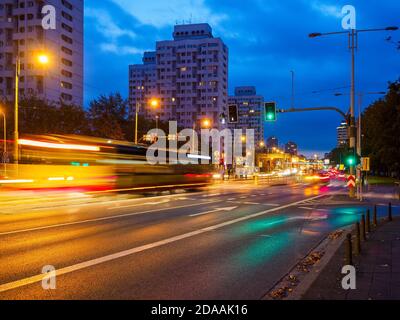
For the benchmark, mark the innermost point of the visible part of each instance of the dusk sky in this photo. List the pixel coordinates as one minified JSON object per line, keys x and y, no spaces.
{"x":266,"y":39}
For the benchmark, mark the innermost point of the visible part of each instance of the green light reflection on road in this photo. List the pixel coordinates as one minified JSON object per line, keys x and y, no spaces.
{"x":261,"y":225}
{"x":263,"y":249}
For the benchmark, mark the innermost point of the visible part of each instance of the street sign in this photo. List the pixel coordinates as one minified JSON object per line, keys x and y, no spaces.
{"x":351,"y":181}
{"x":365,"y":164}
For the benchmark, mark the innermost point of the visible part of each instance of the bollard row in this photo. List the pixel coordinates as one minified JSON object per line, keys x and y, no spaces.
{"x":361,"y":229}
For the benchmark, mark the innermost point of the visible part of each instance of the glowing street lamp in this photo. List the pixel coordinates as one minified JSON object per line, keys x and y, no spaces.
{"x":206,"y":123}
{"x":154,"y":103}
{"x":42,"y":59}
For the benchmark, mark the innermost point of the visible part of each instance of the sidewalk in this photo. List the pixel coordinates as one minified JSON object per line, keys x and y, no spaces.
{"x":378,"y":269}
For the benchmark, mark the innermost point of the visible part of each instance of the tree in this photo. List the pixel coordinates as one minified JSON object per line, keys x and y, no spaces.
{"x":107,"y":116}
{"x":381,"y":131}
{"x":39,"y":116}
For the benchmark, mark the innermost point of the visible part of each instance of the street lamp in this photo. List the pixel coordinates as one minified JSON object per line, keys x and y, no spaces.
{"x":137,"y":110}
{"x":353,"y":44}
{"x":42,"y":59}
{"x":206,"y":123}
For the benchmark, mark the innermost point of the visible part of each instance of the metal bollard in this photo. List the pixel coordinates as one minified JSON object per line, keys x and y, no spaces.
{"x":348,"y":250}
{"x":362,"y":224}
{"x":358,"y":240}
{"x":375,"y":216}
{"x":368,"y":221}
{"x":390,"y":212}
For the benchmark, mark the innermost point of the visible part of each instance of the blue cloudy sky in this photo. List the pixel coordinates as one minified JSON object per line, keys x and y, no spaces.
{"x":266,"y":39}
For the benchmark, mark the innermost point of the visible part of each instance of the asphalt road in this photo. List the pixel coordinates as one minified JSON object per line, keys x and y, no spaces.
{"x":231,"y":241}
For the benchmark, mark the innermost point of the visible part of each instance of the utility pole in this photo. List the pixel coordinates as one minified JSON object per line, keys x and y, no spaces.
{"x":353,"y":44}
{"x":137,"y":121}
{"x":353,"y":39}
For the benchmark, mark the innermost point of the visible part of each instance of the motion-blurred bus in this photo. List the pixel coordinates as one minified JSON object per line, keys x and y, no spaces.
{"x":94,"y":164}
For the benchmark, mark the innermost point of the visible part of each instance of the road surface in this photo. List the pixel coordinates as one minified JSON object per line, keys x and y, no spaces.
{"x":232,"y":241}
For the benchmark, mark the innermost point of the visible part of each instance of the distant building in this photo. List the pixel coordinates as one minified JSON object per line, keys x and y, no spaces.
{"x":250,"y":110}
{"x":342,"y":135}
{"x":188,"y":75}
{"x":22,"y":34}
{"x":291,"y":148}
{"x":272,"y":142}
{"x":143,"y":84}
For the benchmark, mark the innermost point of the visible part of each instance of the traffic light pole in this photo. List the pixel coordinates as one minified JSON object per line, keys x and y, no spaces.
{"x":315,"y":109}
{"x":352,"y":47}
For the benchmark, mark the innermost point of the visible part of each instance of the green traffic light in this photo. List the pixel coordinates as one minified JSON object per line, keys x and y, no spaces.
{"x":350,"y":161}
{"x":270,"y":111}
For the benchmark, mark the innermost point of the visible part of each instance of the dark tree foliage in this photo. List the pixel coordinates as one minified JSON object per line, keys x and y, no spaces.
{"x":381,"y":131}
{"x":37,"y":116}
{"x":338,"y":155}
{"x":108,"y":116}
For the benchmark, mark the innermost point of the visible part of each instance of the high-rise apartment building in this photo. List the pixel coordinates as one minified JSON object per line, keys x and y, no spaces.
{"x":250,"y":111}
{"x":187,"y":75}
{"x":143,"y":84}
{"x":22,"y":35}
{"x":342,"y":135}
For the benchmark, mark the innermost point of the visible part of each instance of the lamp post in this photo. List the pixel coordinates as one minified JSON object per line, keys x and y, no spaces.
{"x":353,"y":45}
{"x":16,"y":111}
{"x":204,"y":124}
{"x":154,"y":103}
{"x":42,"y":59}
{"x":137,"y":121}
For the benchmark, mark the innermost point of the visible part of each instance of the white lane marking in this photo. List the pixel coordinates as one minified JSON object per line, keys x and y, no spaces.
{"x":231,"y":199}
{"x":90,"y":263}
{"x":139,"y":204}
{"x":211,"y":195}
{"x":272,"y":204}
{"x":60,"y":205}
{"x":212,"y":211}
{"x":306,"y":208}
{"x":104,"y":218}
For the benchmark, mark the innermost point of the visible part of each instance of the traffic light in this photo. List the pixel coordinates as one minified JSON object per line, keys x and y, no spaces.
{"x":233,"y":114}
{"x":351,"y":161}
{"x":270,"y":111}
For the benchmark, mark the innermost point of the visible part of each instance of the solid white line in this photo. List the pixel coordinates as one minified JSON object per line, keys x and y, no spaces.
{"x":306,"y":208}
{"x":103,"y":218}
{"x":90,"y":263}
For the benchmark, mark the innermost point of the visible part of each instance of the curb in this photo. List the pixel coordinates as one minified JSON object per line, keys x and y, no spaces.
{"x":296,"y":286}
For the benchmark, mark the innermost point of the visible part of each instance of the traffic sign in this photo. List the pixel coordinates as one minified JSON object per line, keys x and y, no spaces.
{"x":351,"y":181}
{"x":365,"y":164}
